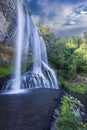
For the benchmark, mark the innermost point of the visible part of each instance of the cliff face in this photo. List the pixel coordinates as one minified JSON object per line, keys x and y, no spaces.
{"x":7,"y":30}
{"x":7,"y":21}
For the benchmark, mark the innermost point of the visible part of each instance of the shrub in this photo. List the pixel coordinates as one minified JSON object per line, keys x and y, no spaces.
{"x":68,"y":120}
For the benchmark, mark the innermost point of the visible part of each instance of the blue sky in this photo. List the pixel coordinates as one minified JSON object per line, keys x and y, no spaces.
{"x":64,"y":17}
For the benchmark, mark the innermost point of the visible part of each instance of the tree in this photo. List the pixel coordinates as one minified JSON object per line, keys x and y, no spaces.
{"x":77,"y":41}
{"x":85,"y":37}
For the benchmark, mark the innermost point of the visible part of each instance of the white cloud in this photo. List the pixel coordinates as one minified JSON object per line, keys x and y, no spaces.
{"x":72,"y":23}
{"x":83,"y":12}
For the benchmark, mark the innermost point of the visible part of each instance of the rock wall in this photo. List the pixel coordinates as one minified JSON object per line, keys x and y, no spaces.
{"x":8,"y":29}
{"x":7,"y":21}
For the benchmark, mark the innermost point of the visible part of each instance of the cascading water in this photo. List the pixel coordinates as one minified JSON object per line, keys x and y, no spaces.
{"x":41,"y":75}
{"x":35,"y":43}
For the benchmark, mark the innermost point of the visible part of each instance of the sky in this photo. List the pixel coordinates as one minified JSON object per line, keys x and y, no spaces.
{"x":65,"y":18}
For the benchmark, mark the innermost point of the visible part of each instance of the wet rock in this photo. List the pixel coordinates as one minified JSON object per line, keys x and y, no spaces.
{"x":3,"y":80}
{"x":83,"y":112}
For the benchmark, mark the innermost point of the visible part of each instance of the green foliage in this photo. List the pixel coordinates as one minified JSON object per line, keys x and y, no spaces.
{"x":81,"y":88}
{"x":68,"y":57}
{"x":72,"y":87}
{"x":81,"y":59}
{"x":8,"y":69}
{"x":70,"y":123}
{"x":77,"y":41}
{"x":61,"y":56}
{"x":67,"y":119}
{"x":4,"y":71}
{"x":85,"y":37}
{"x":47,"y":35}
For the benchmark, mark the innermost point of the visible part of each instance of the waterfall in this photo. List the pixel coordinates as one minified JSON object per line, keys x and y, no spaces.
{"x":25,"y":45}
{"x":41,"y":75}
{"x":18,"y":47}
{"x":35,"y":43}
{"x":43,"y":51}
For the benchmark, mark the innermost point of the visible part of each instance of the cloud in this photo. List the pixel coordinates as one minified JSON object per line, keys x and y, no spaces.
{"x":68,"y":32}
{"x":53,"y":13}
{"x":61,"y":17}
{"x":83,"y":12}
